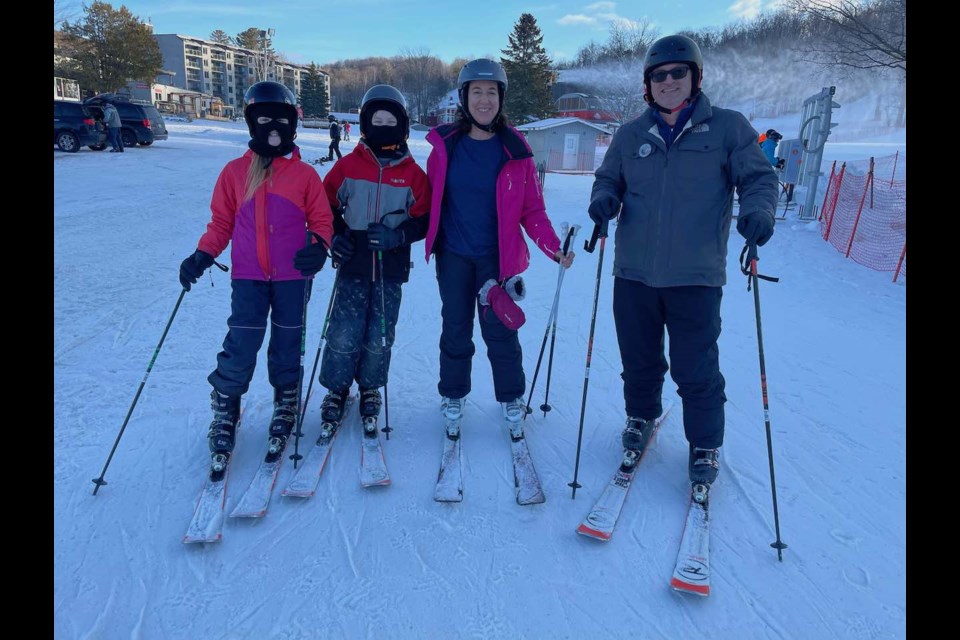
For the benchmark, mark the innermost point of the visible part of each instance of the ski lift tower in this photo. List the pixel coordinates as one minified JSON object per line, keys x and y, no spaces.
{"x":815,"y":126}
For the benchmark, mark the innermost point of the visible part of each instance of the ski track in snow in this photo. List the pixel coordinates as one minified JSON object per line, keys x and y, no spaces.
{"x":391,"y":562}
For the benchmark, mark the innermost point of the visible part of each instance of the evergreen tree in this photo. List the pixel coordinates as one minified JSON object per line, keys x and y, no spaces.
{"x":248,"y":39}
{"x":221,"y":37}
{"x":107,"y":48}
{"x":313,"y":93}
{"x":528,"y":72}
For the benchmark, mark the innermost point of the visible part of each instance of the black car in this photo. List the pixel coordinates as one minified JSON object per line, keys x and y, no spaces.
{"x":140,"y":122}
{"x":75,"y":126}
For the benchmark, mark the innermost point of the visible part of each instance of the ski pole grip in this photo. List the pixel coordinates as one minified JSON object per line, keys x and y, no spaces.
{"x":599,"y":231}
{"x":751,"y":253}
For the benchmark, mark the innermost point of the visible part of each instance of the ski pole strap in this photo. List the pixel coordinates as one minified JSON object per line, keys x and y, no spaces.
{"x":748,"y":265}
{"x":320,"y":240}
{"x":222,"y":267}
{"x":599,"y":231}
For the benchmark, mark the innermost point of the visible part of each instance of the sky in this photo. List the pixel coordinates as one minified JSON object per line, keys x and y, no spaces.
{"x":389,"y":562}
{"x":324,"y":32}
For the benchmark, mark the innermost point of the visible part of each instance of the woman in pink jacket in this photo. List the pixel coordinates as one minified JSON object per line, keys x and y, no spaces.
{"x":485,"y":190}
{"x":263,"y":204}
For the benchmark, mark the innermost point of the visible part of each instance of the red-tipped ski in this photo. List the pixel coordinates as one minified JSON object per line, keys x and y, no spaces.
{"x":692,"y":572}
{"x":207,"y":523}
{"x":602,"y":519}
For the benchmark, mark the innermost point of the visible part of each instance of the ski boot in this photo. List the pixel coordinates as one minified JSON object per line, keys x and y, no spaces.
{"x":222,"y":433}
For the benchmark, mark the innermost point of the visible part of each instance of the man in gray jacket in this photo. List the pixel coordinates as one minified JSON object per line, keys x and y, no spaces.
{"x":674,"y":170}
{"x":111,"y":118}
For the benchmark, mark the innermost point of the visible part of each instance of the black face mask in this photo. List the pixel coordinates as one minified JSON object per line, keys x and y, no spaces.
{"x":378,"y":138}
{"x":261,"y":133}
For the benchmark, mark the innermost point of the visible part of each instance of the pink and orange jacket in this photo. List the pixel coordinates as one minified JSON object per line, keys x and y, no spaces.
{"x":266,"y":231}
{"x":519,"y":200}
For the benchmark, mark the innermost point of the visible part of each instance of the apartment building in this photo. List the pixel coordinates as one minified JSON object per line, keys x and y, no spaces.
{"x":223,"y":71}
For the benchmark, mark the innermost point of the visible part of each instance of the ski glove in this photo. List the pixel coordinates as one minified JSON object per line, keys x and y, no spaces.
{"x":382,"y":238}
{"x":493,"y":295}
{"x":193,"y":267}
{"x":756,"y":228}
{"x":309,"y":260}
{"x":603,"y":207}
{"x":342,"y":248}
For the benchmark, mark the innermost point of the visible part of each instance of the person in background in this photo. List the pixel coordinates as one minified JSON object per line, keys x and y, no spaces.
{"x":334,"y":138}
{"x":768,"y":143}
{"x":111,"y":119}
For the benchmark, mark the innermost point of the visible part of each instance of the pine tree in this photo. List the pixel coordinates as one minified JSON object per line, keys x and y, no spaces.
{"x":528,"y":72}
{"x":313,"y":93}
{"x":221,"y":37}
{"x":108,"y":48}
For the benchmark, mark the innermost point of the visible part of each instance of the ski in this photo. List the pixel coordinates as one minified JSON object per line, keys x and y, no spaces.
{"x":450,"y":478}
{"x":602,"y":519}
{"x":207,"y":523}
{"x":304,"y":483}
{"x":525,"y":478}
{"x":373,"y":468}
{"x":256,"y":499}
{"x":692,"y":572}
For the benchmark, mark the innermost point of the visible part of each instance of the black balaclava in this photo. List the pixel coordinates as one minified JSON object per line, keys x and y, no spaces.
{"x":385,"y":142}
{"x":261,"y":132}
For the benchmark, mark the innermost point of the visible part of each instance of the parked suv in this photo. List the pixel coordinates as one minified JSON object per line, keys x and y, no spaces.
{"x":75,"y":126}
{"x":140,"y":122}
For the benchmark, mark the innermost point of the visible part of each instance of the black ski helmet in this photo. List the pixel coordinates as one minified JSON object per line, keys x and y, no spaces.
{"x":268,"y":92}
{"x":774,"y":135}
{"x":384,"y":93}
{"x":332,"y":118}
{"x":674,"y":48}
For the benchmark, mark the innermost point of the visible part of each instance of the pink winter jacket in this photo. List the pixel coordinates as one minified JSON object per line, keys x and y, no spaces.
{"x":519,"y":201}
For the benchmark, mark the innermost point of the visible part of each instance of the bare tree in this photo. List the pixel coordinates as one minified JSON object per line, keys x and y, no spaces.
{"x":423,"y":80}
{"x":860,"y":35}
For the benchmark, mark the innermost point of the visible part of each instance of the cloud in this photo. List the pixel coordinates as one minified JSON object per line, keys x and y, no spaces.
{"x":745,"y":8}
{"x":577,"y":18}
{"x":601,"y":6}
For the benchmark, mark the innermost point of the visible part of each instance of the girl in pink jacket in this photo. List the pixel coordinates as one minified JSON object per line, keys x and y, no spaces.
{"x":263,"y":204}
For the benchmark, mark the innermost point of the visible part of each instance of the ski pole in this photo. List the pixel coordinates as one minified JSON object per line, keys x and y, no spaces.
{"x":316,"y":361}
{"x":99,"y":482}
{"x":556,"y":312}
{"x":383,"y":345}
{"x":553,"y":310}
{"x":599,"y":231}
{"x":307,"y":287}
{"x":754,"y":278}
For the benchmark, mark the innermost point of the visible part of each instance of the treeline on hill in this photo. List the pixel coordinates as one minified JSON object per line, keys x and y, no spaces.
{"x":774,"y":61}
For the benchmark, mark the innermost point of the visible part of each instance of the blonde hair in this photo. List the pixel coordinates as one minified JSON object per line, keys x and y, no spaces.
{"x":260,"y":170}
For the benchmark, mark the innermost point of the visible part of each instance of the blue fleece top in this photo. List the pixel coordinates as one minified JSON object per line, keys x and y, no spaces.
{"x":668,"y":133}
{"x":468,"y":215}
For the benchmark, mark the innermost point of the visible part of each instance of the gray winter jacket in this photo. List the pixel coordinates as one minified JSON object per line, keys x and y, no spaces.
{"x":677,"y":204}
{"x":110,"y":116}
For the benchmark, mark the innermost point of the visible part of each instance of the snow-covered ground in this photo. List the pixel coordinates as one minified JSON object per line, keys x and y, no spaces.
{"x":392,"y":563}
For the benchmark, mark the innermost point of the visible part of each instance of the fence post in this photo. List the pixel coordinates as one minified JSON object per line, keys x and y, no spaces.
{"x":856,"y":222}
{"x":903,"y":254}
{"x":836,"y":196}
{"x":826,"y":194}
{"x":896,"y":156}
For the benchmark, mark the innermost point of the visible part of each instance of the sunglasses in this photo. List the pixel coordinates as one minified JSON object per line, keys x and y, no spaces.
{"x":677,"y":73}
